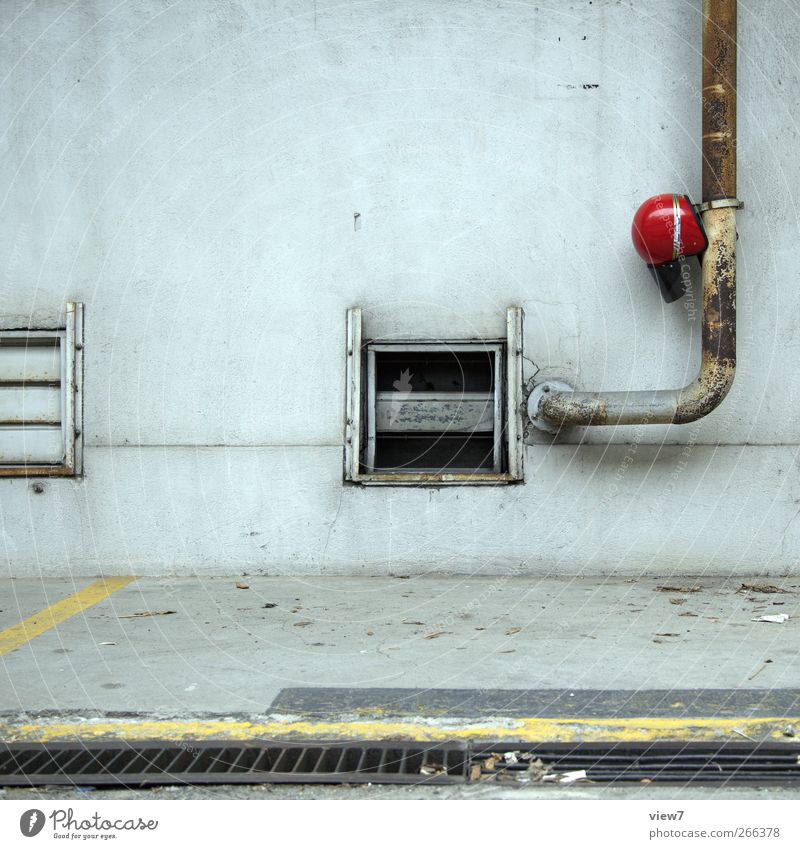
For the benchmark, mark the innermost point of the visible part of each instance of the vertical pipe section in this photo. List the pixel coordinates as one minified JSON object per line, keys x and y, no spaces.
{"x":718,"y":365}
{"x":719,"y":100}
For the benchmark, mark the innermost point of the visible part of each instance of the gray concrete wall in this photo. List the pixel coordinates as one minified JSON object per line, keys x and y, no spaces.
{"x":191,"y":170}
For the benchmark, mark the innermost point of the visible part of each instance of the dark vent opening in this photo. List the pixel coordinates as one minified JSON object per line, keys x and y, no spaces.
{"x":439,"y":452}
{"x":435,"y":371}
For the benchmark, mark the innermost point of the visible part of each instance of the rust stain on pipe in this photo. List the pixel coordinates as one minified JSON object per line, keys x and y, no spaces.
{"x":719,"y":99}
{"x":718,"y":365}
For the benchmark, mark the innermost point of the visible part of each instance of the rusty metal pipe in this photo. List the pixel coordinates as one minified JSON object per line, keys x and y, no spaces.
{"x":719,"y":99}
{"x":718,"y":365}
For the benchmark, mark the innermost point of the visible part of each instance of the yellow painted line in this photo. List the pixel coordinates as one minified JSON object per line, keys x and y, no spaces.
{"x":534,"y":730}
{"x":16,"y":636}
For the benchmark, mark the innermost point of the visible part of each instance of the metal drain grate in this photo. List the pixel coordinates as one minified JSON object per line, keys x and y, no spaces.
{"x":659,"y":762}
{"x":142,"y":764}
{"x":230,"y":763}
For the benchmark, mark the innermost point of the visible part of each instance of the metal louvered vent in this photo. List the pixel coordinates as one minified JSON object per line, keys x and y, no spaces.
{"x":41,"y":407}
{"x":141,"y":764}
{"x":434,"y":411}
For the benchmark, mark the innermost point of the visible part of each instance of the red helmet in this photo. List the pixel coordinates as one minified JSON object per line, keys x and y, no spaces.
{"x":667,"y":229}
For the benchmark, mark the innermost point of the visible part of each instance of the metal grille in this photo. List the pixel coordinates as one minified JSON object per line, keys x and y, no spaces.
{"x":654,"y":762}
{"x":230,"y":763}
{"x":142,"y":764}
{"x":41,"y":375}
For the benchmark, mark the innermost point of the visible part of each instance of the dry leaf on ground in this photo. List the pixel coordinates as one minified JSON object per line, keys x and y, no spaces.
{"x":148,"y":613}
{"x":760,"y":588}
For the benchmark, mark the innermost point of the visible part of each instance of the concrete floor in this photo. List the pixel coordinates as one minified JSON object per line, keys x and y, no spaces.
{"x":373,"y":792}
{"x":225,"y":650}
{"x":476,"y":654}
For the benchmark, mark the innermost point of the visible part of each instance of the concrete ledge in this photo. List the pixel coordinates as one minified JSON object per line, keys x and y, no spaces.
{"x":475,"y":715}
{"x":679,"y":704}
{"x":521,"y":730}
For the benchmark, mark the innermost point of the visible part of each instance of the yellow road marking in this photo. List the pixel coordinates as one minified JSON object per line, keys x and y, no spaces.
{"x":563,"y":729}
{"x":16,"y":636}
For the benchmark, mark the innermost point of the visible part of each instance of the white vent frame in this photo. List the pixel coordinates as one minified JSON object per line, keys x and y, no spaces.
{"x":69,"y":333}
{"x":357,"y":400}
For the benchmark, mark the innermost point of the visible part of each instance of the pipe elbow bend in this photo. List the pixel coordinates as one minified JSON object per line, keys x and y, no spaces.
{"x":706,"y":393}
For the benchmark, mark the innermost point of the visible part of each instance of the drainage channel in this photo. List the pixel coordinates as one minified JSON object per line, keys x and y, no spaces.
{"x":638,"y":762}
{"x":142,"y":764}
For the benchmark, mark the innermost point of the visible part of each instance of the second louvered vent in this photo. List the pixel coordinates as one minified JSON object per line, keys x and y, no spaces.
{"x":434,"y":407}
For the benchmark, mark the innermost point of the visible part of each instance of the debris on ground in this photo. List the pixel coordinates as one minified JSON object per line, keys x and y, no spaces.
{"x":106,"y":643}
{"x":759,"y":670}
{"x":514,"y":767}
{"x":566,"y":777}
{"x":687,"y":613}
{"x":435,"y":634}
{"x":778,"y":618}
{"x":144,"y":613}
{"x":760,"y":588}
{"x":302,"y":623}
{"x":537,"y":770}
{"x":411,"y":622}
{"x":742,"y":734}
{"x":670,"y":589}
{"x":269,"y":604}
{"x":240,"y":585}
{"x":432,"y":769}
{"x":513,"y":630}
{"x":677,"y":601}
{"x":490,"y":762}
{"x":668,"y":634}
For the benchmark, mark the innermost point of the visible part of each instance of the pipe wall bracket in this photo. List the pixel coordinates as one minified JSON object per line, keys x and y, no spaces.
{"x":538,"y":394}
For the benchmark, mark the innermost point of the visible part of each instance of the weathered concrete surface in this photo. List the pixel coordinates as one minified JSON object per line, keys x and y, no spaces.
{"x":467,"y":791}
{"x":283,"y":511}
{"x":223,"y":652}
{"x":193,"y":177}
